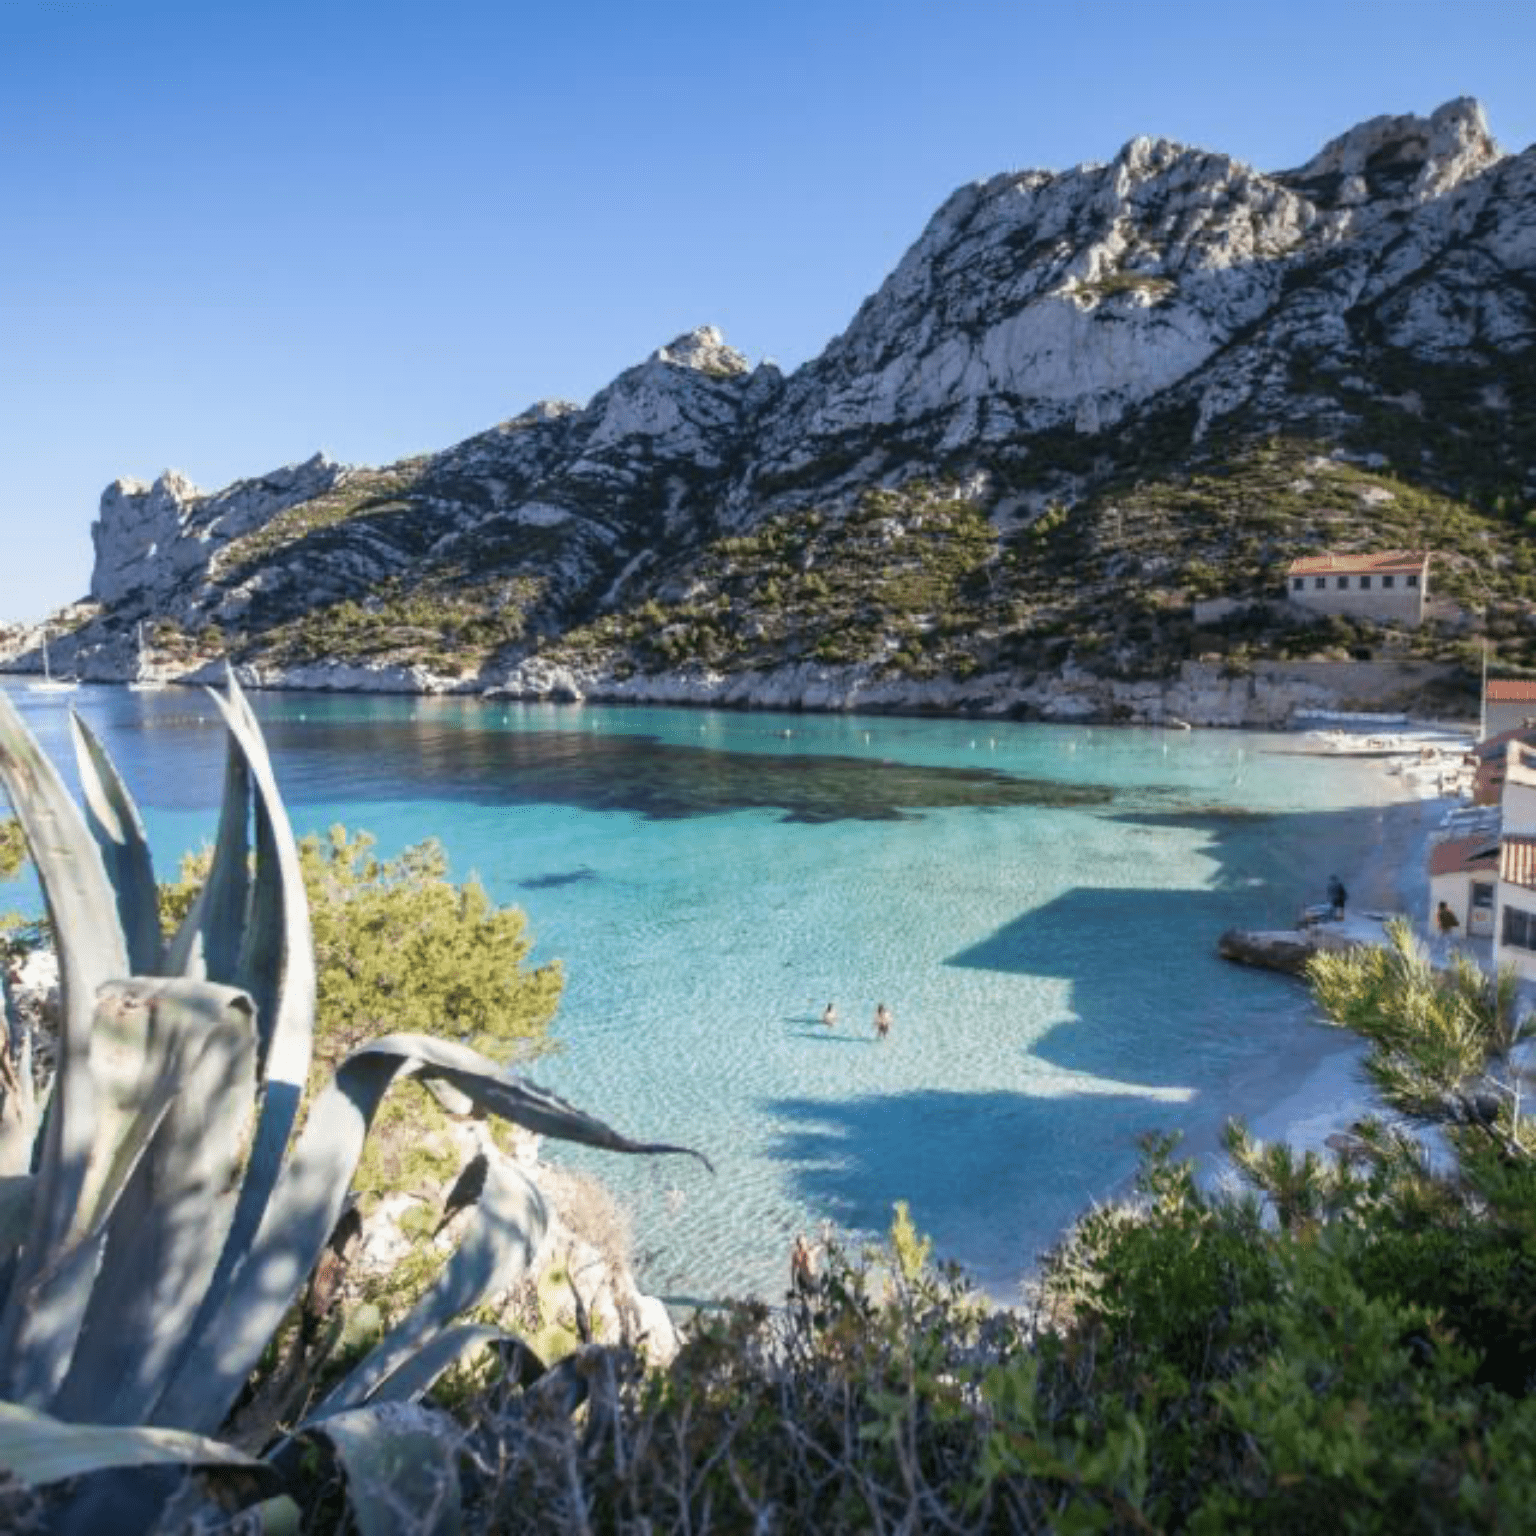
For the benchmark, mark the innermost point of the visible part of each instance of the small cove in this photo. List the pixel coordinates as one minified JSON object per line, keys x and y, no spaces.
{"x":1038,"y":904}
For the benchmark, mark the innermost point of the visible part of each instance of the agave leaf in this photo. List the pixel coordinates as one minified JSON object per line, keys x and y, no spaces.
{"x":83,"y":913}
{"x":147,"y":1036}
{"x":48,"y":1307}
{"x":276,"y":962}
{"x":119,"y":832}
{"x":401,"y":1465}
{"x":167,"y":1228}
{"x":40,"y":1449}
{"x":19,"y":1117}
{"x":417,"y":1373}
{"x":16,"y":1194}
{"x":313,"y":1188}
{"x":208,"y":941}
{"x":504,"y":1231}
{"x":500,"y":1091}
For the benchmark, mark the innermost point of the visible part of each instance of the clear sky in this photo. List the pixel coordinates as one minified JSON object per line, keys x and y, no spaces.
{"x":236,"y":231}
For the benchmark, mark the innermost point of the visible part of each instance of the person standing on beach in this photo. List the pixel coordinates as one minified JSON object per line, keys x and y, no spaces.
{"x":1337,"y":896}
{"x":883,"y":1021}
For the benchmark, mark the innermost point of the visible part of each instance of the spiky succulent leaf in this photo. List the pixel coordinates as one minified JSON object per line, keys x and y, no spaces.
{"x":208,"y":940}
{"x":82,"y":911}
{"x":169,"y":1224}
{"x":505,"y":1228}
{"x":401,"y":1467}
{"x":313,"y":1188}
{"x":275,"y":962}
{"x":114,"y":821}
{"x":19,"y":1110}
{"x":39,"y":1449}
{"x":150,"y":1037}
{"x":418,"y":1372}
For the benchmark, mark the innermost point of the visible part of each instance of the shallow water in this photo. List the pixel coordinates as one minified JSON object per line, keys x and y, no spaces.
{"x":1037,"y":904}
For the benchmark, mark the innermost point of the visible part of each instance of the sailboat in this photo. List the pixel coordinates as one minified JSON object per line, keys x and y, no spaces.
{"x":50,"y":683}
{"x":140,"y":683}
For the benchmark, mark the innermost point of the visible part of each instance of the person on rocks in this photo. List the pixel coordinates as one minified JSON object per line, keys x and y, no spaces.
{"x":1337,"y":896}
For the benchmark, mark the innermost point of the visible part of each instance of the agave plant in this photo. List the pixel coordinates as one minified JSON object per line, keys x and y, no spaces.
{"x":161,"y":1211}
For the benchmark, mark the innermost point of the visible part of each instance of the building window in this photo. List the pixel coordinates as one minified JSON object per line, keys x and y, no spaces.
{"x":1413,"y":580}
{"x":1519,"y":928}
{"x":1389,"y":581}
{"x":1298,"y":583}
{"x":1365,"y":581}
{"x":1319,"y":582}
{"x":1342,"y":582}
{"x":1482,"y":894}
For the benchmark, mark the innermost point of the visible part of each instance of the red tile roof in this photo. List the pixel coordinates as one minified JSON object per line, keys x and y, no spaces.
{"x":1387,"y":561}
{"x":1497,"y":746}
{"x":1511,"y":690}
{"x":1457,"y":855}
{"x":1517,"y":861}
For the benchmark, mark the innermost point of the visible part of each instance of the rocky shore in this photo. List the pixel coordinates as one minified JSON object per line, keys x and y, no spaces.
{"x":1263,"y":695}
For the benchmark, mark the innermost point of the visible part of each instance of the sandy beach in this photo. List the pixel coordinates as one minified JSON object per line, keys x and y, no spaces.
{"x":1319,"y":1089}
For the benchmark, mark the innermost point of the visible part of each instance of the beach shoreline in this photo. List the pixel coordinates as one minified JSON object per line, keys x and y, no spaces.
{"x":1319,"y":1089}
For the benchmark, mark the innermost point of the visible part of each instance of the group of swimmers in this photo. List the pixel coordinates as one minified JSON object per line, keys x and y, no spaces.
{"x":884,"y":1018}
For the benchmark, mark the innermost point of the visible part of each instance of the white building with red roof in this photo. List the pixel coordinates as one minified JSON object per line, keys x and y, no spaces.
{"x":1388,"y":586}
{"x":1464,"y":874}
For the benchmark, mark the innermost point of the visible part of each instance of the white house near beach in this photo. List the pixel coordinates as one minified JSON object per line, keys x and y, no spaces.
{"x":1388,"y":586}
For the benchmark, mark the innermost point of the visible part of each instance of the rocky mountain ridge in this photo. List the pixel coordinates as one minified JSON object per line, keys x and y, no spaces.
{"x":1081,"y":402}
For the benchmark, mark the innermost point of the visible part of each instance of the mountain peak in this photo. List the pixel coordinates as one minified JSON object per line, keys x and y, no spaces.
{"x":1438,"y":151}
{"x":704,"y":350}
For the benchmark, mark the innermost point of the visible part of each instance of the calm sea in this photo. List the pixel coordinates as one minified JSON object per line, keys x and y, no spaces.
{"x":1037,"y":904}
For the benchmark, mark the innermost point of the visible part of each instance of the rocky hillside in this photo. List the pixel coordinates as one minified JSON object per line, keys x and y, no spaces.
{"x":1082,"y":402}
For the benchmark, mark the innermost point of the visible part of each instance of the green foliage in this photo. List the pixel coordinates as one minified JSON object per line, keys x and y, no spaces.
{"x":1441,"y":1039}
{"x":398,"y":946}
{"x":904,"y":581}
{"x":15,"y":932}
{"x":13,"y":849}
{"x":909,"y":1247}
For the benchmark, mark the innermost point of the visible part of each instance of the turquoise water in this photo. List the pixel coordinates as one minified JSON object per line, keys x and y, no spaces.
{"x":1037,"y":904}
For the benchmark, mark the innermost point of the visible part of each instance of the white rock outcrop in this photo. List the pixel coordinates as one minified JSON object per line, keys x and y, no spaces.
{"x":150,"y":539}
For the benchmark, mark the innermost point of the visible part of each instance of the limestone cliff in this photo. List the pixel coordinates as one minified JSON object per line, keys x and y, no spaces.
{"x":1087,"y":399}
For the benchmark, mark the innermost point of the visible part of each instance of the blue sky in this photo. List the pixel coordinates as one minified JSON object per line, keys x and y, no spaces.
{"x":236,"y":233}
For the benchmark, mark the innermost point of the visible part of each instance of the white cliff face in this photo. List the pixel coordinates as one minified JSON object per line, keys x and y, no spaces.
{"x":150,"y":539}
{"x":1072,"y":298}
